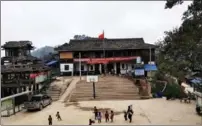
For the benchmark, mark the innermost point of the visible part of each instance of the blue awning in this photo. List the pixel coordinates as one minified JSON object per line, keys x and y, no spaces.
{"x":51,"y":62}
{"x":196,"y":80}
{"x":150,"y":67}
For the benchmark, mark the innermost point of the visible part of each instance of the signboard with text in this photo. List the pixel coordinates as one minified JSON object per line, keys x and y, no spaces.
{"x":92,"y":78}
{"x":139,"y":72}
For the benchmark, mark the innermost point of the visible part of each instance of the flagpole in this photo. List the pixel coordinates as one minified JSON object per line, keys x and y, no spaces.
{"x":150,"y":55}
{"x":80,"y":65}
{"x":103,"y":42}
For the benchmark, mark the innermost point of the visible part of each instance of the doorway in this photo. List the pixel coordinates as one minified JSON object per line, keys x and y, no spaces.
{"x":110,"y":66}
{"x":118,"y":70}
{"x":97,"y":71}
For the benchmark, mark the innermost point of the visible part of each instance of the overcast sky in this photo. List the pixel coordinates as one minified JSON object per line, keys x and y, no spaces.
{"x":53,"y":23}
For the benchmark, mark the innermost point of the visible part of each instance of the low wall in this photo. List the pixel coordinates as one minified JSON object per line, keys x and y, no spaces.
{"x":143,"y":86}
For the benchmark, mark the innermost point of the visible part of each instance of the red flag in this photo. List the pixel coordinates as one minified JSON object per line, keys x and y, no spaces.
{"x":101,"y":36}
{"x":32,"y":75}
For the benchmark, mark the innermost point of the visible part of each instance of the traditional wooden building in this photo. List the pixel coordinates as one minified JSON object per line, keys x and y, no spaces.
{"x":19,"y":70}
{"x":120,"y":56}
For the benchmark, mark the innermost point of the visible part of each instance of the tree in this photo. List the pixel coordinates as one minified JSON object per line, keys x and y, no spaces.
{"x":180,"y":51}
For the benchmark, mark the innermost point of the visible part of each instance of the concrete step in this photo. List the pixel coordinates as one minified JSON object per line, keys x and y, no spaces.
{"x":106,"y":87}
{"x":50,"y":91}
{"x":53,"y":94}
{"x":99,"y":98}
{"x":105,"y":93}
{"x":108,"y":92}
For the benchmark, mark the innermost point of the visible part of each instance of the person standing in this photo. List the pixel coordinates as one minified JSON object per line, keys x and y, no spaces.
{"x":106,"y":116}
{"x":58,"y":116}
{"x":130,"y":114}
{"x":112,"y":116}
{"x":99,"y":117}
{"x":50,"y":120}
{"x":125,"y":116}
{"x":95,"y":112}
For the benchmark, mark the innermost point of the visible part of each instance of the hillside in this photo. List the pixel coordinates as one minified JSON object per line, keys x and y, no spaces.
{"x":41,"y":52}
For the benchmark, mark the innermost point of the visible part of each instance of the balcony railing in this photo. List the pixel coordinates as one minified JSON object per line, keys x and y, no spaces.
{"x":21,"y":81}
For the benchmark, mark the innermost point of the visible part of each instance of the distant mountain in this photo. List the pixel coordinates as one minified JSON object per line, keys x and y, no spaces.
{"x":41,"y":52}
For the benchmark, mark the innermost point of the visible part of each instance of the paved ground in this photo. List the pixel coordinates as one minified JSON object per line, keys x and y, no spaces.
{"x":153,"y":111}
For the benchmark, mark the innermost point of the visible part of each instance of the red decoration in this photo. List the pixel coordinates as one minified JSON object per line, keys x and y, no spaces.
{"x":105,"y":60}
{"x":101,"y":36}
{"x":33,"y":75}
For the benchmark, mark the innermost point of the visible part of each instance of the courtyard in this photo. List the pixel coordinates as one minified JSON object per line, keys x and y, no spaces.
{"x":150,"y":112}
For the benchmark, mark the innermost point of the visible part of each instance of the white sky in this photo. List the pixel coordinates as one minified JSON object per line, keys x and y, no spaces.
{"x":55,"y":22}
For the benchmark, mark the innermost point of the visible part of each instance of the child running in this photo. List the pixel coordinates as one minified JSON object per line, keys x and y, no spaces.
{"x":58,"y":116}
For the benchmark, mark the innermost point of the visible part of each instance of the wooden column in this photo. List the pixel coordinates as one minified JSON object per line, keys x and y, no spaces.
{"x":100,"y":68}
{"x":115,"y":68}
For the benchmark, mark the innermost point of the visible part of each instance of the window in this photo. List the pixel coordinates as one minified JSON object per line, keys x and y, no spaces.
{"x":66,"y":67}
{"x":122,"y":66}
{"x":82,"y":67}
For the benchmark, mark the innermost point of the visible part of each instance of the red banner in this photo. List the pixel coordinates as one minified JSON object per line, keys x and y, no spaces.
{"x":105,"y":60}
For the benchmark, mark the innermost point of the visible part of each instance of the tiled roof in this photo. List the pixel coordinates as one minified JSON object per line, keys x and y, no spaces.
{"x":23,"y":68}
{"x":20,"y":58}
{"x":109,"y":44}
{"x":17,"y":44}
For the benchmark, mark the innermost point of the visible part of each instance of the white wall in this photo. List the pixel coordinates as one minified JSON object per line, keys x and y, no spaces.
{"x":62,"y":67}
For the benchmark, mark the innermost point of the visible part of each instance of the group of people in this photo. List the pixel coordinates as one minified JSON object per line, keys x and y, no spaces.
{"x":128,"y":114}
{"x":50,"y":120}
{"x":98,"y":116}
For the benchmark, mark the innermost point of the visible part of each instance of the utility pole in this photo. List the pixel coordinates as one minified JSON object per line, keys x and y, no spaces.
{"x":80,"y":65}
{"x":150,"y":55}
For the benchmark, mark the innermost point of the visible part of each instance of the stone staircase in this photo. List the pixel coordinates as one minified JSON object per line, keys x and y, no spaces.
{"x":54,"y":92}
{"x":58,"y":88}
{"x":108,"y":88}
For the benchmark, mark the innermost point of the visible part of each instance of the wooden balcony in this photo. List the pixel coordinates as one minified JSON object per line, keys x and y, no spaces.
{"x":16,"y":83}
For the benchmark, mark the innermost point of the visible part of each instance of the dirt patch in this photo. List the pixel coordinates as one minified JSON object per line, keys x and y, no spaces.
{"x":102,"y":110}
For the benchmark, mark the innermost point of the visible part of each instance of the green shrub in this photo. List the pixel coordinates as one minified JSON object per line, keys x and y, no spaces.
{"x":172,"y":90}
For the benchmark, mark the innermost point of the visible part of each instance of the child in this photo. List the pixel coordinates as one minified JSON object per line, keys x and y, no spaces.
{"x":125,"y":116}
{"x":91,"y":121}
{"x":106,"y":116}
{"x":112,"y":116}
{"x":99,"y":117}
{"x":130,"y":114}
{"x":50,"y":120}
{"x":95,"y":112}
{"x":58,"y":116}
